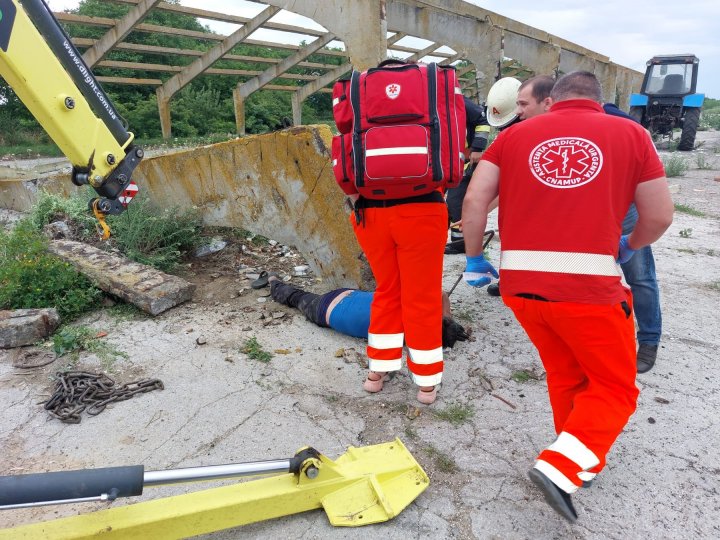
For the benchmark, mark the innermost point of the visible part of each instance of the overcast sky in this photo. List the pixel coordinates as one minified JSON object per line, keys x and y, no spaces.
{"x":628,"y":32}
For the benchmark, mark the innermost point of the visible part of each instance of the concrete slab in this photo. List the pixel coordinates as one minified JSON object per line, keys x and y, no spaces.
{"x":20,"y":327}
{"x":138,"y":284}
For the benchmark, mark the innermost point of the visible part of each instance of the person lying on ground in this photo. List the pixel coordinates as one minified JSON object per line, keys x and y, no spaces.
{"x":348,"y":310}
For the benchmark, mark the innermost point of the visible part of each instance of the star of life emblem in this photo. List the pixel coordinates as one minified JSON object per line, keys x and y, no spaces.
{"x":566,"y":162}
{"x":392,"y":90}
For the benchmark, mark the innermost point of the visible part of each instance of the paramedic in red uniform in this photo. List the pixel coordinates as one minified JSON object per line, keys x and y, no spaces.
{"x":566,"y":180}
{"x":404,"y":245}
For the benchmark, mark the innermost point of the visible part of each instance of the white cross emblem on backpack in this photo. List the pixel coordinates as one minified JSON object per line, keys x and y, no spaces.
{"x":392,"y":90}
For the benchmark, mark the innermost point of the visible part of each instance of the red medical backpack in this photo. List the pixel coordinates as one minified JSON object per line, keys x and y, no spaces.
{"x":402,"y":131}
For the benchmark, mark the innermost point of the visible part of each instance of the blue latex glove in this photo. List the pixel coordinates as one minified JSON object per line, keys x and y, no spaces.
{"x":483,"y":270}
{"x":625,"y":252}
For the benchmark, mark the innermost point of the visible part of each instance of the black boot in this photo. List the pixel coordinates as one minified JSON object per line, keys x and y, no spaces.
{"x":554,"y":496}
{"x":456,"y":247}
{"x":646,"y":356}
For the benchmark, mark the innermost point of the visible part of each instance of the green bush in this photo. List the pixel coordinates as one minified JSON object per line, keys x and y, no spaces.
{"x":73,"y":211}
{"x":154,"y":236}
{"x":74,"y":339}
{"x":143,"y":233}
{"x":32,"y":278}
{"x":675,"y":166}
{"x":710,"y":119}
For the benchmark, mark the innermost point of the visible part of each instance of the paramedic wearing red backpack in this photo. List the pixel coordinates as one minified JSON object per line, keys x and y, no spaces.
{"x":565,"y":180}
{"x":401,"y":142}
{"x":404,"y":245}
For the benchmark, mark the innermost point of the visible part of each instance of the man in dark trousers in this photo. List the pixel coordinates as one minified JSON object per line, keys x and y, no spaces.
{"x":478,"y":131}
{"x":565,"y":180}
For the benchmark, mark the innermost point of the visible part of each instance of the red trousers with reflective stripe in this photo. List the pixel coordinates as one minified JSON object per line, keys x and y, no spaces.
{"x":588,"y":351}
{"x":404,"y":245}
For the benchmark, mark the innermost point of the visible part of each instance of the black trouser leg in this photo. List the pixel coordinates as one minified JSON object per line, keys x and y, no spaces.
{"x":456,"y":196}
{"x":306,"y":302}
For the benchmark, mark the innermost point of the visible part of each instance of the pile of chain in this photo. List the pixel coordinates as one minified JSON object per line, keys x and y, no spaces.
{"x":78,"y":391}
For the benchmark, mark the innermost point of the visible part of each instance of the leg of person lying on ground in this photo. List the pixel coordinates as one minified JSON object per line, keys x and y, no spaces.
{"x":348,"y":310}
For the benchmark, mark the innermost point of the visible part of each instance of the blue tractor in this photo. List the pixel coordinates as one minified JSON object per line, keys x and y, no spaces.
{"x":667,"y":98}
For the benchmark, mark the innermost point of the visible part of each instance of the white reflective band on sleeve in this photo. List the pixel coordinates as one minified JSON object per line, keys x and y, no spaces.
{"x":591,"y":264}
{"x":555,"y":476}
{"x":336,"y":101}
{"x":385,"y":365}
{"x":386,"y":341}
{"x":570,"y":446}
{"x":427,"y":380}
{"x":426,"y":357}
{"x":398,"y":150}
{"x":334,"y":162}
{"x":586,"y":476}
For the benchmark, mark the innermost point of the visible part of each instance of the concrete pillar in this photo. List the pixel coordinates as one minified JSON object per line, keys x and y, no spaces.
{"x":606,"y":72}
{"x":485,"y":52}
{"x":570,"y":61}
{"x":367,"y":48}
{"x":296,"y":101}
{"x":628,"y":82}
{"x":542,"y":58}
{"x":360,"y":24}
{"x":164,"y":112}
{"x":239,"y":107}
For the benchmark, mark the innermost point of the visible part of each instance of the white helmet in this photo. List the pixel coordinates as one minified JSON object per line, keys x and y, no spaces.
{"x":501,"y":102}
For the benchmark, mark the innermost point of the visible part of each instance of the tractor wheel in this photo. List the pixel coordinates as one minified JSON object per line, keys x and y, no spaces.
{"x":637,"y":113}
{"x":690,"y":125}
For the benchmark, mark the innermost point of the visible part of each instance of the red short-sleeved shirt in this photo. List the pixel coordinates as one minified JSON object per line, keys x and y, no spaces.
{"x":567,"y":179}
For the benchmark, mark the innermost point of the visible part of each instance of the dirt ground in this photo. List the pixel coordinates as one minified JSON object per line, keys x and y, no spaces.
{"x":220,"y":406}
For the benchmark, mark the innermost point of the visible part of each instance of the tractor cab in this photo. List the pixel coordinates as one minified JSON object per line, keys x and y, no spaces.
{"x":673,"y":75}
{"x":667,"y":100}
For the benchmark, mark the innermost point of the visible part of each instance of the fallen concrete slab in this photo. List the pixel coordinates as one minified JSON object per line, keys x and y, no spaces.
{"x":22,"y":327}
{"x":149,"y":289}
{"x":279,"y":185}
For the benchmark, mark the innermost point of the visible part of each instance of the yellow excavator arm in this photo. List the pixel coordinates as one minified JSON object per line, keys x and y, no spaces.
{"x":43,"y":67}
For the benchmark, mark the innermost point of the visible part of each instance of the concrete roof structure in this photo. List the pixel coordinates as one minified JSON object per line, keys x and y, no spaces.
{"x":481,"y":43}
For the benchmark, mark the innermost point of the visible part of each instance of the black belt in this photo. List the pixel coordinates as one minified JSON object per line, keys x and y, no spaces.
{"x":433,"y":196}
{"x":624,"y":305}
{"x":531,"y":296}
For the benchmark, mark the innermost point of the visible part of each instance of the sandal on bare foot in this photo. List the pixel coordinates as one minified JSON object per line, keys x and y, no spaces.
{"x":427,"y":397}
{"x":374,"y":381}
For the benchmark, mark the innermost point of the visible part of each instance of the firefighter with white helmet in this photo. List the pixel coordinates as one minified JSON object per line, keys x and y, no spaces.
{"x":501,"y":106}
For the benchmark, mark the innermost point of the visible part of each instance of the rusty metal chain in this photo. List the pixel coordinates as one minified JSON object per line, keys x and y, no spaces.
{"x":78,"y":391}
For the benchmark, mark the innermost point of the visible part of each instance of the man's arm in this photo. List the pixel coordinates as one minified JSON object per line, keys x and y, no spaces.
{"x":482,"y":190}
{"x":655,"y":212}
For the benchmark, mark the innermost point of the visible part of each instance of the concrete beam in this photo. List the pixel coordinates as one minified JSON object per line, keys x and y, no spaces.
{"x":182,"y":79}
{"x":147,"y":288}
{"x":571,"y":61}
{"x":607,"y":75}
{"x":361,"y":24}
{"x":542,"y":58}
{"x":118,"y":32}
{"x":628,"y":82}
{"x":279,"y":185}
{"x":273,"y":72}
{"x":22,"y":327}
